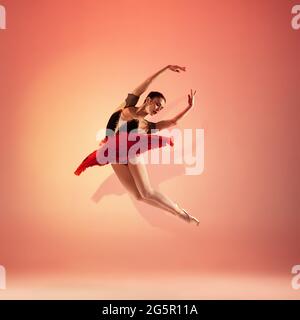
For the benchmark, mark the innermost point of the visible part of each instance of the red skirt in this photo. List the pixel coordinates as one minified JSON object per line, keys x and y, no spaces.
{"x":122,"y":147}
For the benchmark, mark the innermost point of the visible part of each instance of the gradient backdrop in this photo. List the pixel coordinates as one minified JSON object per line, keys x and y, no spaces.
{"x":66,"y":65}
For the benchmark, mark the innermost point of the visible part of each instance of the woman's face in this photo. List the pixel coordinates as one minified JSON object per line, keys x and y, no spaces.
{"x":155,"y":105}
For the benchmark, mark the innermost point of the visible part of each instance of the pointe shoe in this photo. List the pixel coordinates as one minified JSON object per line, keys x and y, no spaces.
{"x":191,"y":218}
{"x":185,"y":217}
{"x":180,"y":215}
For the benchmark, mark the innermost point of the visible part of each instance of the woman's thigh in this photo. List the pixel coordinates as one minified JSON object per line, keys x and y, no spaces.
{"x":123,"y":173}
{"x":141,"y":178}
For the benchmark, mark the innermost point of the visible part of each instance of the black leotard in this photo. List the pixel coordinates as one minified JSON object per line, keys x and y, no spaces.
{"x":131,"y":100}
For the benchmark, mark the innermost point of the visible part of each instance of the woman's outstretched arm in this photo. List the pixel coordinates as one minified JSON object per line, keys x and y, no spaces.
{"x":138,"y":91}
{"x":144,"y":85}
{"x":173,"y":121}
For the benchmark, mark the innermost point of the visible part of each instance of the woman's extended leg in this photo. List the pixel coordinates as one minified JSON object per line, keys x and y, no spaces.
{"x":140,"y":175}
{"x":125,"y":177}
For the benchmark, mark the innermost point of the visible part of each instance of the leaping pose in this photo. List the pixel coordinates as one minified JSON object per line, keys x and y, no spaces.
{"x":134,"y":176}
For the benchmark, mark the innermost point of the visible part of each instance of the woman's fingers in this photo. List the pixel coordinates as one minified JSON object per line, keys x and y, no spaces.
{"x":176,"y":68}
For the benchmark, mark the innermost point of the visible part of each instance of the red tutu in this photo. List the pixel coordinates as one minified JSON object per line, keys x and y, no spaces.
{"x":122,"y":147}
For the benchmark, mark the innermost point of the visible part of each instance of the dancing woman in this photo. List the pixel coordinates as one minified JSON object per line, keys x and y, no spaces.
{"x":134,"y":175}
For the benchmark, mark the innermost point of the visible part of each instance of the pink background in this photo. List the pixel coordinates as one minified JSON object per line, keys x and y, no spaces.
{"x":66,"y":65}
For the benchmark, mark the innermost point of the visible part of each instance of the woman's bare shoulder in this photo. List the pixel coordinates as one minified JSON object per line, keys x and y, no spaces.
{"x":129,"y":113}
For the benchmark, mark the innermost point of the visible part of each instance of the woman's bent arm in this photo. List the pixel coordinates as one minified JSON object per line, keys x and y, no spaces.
{"x":171,"y":122}
{"x":143,"y":86}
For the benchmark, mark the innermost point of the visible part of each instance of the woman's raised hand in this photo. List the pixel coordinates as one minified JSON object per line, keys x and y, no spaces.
{"x":176,"y":68}
{"x":191,"y":98}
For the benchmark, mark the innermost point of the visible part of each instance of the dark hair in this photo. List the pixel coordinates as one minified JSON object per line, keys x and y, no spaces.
{"x":154,"y":94}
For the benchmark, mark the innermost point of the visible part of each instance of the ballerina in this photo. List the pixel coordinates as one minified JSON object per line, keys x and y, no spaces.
{"x":133,"y":174}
